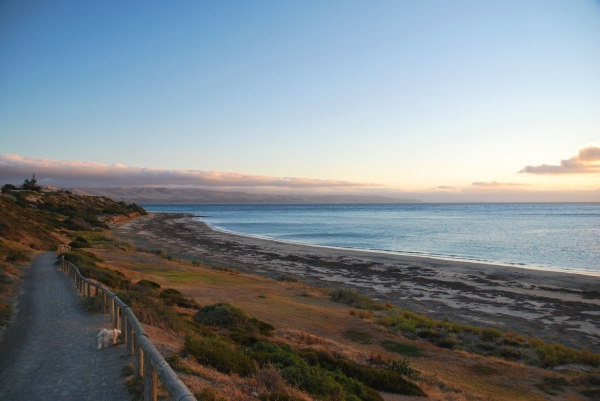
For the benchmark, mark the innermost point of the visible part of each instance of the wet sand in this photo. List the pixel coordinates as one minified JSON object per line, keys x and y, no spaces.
{"x":559,"y":307}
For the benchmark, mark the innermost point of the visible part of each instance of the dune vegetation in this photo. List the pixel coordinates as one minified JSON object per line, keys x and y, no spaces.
{"x":237,"y":336}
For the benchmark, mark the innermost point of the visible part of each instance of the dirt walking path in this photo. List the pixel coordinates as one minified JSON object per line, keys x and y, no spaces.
{"x":50,"y":353}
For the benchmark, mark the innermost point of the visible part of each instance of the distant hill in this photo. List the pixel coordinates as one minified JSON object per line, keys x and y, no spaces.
{"x":150,"y":195}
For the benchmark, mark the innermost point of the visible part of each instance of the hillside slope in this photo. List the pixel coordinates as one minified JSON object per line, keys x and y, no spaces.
{"x":35,"y":221}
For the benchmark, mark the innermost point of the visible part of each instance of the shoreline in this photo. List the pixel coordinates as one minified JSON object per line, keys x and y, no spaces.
{"x":547,"y":304}
{"x":546,"y":269}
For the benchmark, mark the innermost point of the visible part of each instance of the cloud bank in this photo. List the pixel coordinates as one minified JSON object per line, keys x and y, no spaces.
{"x":496,"y":184}
{"x":68,"y":174}
{"x":587,"y":161}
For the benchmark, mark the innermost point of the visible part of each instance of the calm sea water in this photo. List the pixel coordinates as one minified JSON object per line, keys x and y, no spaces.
{"x":563,"y":237}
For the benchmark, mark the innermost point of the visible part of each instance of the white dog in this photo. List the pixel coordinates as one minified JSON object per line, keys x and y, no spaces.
{"x":106,"y":336}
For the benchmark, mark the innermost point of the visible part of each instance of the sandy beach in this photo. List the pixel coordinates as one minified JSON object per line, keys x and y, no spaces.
{"x":559,"y":307}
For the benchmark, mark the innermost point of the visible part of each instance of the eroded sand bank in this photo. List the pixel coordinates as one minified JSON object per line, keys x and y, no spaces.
{"x":559,"y":307}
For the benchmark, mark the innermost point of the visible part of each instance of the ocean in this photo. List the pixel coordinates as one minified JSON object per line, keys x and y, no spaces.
{"x":549,"y":236}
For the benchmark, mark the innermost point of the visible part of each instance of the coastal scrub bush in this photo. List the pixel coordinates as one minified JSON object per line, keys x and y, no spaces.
{"x":86,"y":263}
{"x":16,"y":255}
{"x":315,"y":380}
{"x":219,"y":354}
{"x":278,"y":397}
{"x":91,"y":304}
{"x":79,"y":244}
{"x":148,"y":284}
{"x":491,"y":334}
{"x":226,"y":316}
{"x":357,"y":336}
{"x":402,"y":367}
{"x":354,"y":299}
{"x":382,"y":380}
{"x":173,"y":296}
{"x":287,"y":277}
{"x":402,"y":348}
{"x":153,"y":311}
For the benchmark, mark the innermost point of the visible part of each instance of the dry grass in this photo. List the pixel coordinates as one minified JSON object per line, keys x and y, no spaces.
{"x":446,"y":374}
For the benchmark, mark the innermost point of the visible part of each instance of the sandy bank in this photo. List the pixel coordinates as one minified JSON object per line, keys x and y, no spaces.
{"x":557,"y":306}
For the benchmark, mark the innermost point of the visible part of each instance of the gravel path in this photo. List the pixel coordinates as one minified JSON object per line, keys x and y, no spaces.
{"x":50,"y":353}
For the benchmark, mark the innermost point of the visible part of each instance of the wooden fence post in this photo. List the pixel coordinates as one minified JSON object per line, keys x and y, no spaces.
{"x":138,"y":360}
{"x":130,"y":338}
{"x":111,"y":307}
{"x":117,"y":321}
{"x":103,"y":302}
{"x":150,"y":381}
{"x":123,"y":324}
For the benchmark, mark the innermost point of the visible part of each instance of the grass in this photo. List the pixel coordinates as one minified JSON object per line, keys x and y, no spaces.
{"x":402,"y":348}
{"x":459,"y":374}
{"x":216,"y":352}
{"x":226,"y":316}
{"x":484,"y":370}
{"x":352,"y":298}
{"x":357,"y":336}
{"x":552,"y":385}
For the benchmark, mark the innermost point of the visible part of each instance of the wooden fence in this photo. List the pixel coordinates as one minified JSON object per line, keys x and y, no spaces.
{"x":147,"y":362}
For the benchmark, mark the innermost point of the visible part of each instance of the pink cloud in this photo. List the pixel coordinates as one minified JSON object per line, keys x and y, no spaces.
{"x":68,"y":173}
{"x":496,"y":184}
{"x":587,"y":161}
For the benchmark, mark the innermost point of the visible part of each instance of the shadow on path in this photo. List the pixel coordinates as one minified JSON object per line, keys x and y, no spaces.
{"x":50,"y":353}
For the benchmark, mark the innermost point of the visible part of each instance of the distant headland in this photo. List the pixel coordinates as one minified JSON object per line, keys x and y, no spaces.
{"x":152,"y":195}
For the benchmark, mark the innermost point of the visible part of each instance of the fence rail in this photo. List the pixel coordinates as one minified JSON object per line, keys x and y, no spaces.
{"x":147,"y":362}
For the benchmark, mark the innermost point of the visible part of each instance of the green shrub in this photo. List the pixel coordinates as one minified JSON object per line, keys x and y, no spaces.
{"x":278,"y":397}
{"x":135,"y":387}
{"x":507,"y":352}
{"x":402,"y":367}
{"x":402,"y":348}
{"x":352,"y":298}
{"x":287,"y":277}
{"x":220,"y":355}
{"x":358,"y":336}
{"x":148,"y":284}
{"x":556,"y":354}
{"x":153,"y":311}
{"x":127,"y":370}
{"x":315,"y":380}
{"x":382,"y":380}
{"x":491,"y":334}
{"x":232,"y":318}
{"x":16,"y":255}
{"x":175,"y":297}
{"x":91,"y":304}
{"x":447,"y":342}
{"x":78,"y":244}
{"x":86,"y":263}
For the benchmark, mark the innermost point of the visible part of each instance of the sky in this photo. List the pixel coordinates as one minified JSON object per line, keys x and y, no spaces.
{"x":446,"y":100}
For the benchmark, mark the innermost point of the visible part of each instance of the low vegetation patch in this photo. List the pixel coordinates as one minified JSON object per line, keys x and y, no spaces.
{"x":383,"y":380}
{"x":489,"y":341}
{"x":219,"y":354}
{"x":229,"y":317}
{"x":87,"y":263}
{"x":357,"y":336}
{"x":174,"y":297}
{"x":354,"y":299}
{"x":402,"y":348}
{"x":315,"y":380}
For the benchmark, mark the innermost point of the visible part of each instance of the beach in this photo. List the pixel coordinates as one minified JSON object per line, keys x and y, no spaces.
{"x":555,"y":306}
